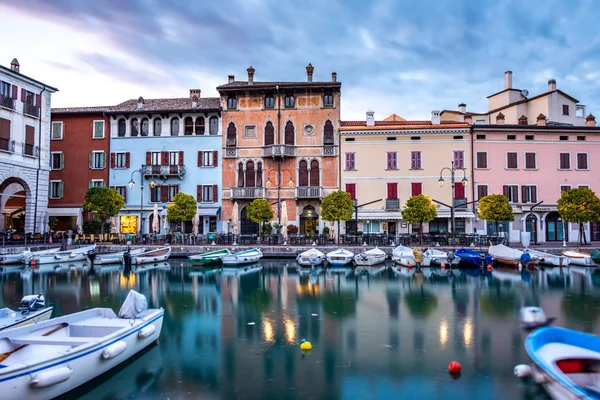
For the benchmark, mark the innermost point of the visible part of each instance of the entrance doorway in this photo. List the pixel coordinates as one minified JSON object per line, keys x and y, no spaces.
{"x":248,"y":227}
{"x":309,"y":220}
{"x":555,"y":228}
{"x":13,"y":206}
{"x":531,"y":227}
{"x":392,"y":228}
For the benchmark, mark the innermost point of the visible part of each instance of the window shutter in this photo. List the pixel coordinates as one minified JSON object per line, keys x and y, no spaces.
{"x":392,"y":189}
{"x":90,"y":184}
{"x":353,"y":161}
{"x":62,"y":161}
{"x":164,"y":158}
{"x":506,"y":191}
{"x":351,"y":190}
{"x":164,"y":193}
{"x":416,"y":188}
{"x":201,"y":159}
{"x":23,"y":95}
{"x":581,"y":161}
{"x":524,"y":194}
{"x":127,"y":159}
{"x":181,"y":158}
{"x":15,"y":92}
{"x":125,"y":193}
{"x":534,"y":194}
{"x":148,"y":158}
{"x":91,"y":160}
{"x":347,"y":167}
{"x":515,"y":193}
{"x":60,"y":189}
{"x":113,"y":160}
{"x":103,"y":160}
{"x":215,"y":194}
{"x":29,"y":135}
{"x":38,"y":100}
{"x":389,"y":160}
{"x":418,"y":158}
{"x":199,"y":193}
{"x":215,"y":159}
{"x":413,"y":160}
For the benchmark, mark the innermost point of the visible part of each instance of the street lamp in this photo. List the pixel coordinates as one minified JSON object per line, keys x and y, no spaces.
{"x":143,"y":171}
{"x":269,"y":183}
{"x":464,"y":182}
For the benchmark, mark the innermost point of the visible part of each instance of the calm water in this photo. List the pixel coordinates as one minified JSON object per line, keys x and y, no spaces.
{"x":382,"y":334}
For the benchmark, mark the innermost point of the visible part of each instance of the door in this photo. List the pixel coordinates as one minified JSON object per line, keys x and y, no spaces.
{"x":248,"y":227}
{"x":555,"y":228}
{"x":531,"y":227}
{"x":392,"y":228}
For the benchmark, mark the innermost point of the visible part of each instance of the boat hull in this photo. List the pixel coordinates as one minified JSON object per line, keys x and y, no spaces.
{"x":148,"y":257}
{"x":369,"y":260}
{"x":208,"y":258}
{"x":33,"y":317}
{"x":243,"y":258}
{"x":339,"y":261}
{"x":307,"y":262}
{"x":59,"y":258}
{"x":7,"y":259}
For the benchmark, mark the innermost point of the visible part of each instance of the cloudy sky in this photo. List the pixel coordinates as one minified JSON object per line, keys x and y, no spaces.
{"x":401,"y":56}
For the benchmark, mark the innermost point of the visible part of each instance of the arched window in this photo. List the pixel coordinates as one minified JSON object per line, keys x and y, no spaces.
{"x":145,"y":127}
{"x":157,"y":126}
{"x":135,"y":127}
{"x":231,"y":135}
{"x":188,"y":126}
{"x":314,"y":173}
{"x":122,"y":127}
{"x":250,"y":176}
{"x":200,"y":126}
{"x":289,"y":133}
{"x":303,"y":173}
{"x":269,"y":134}
{"x":175,"y":126}
{"x":328,"y":133}
{"x":259,"y":173}
{"x":240,"y":175}
{"x":214,"y":126}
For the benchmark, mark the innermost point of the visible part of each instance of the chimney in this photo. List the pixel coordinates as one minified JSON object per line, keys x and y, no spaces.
{"x":435,"y":117}
{"x":309,"y":72}
{"x":230,"y":78}
{"x":522,"y":120}
{"x":500,"y":119}
{"x":140,"y":103}
{"x":551,"y":85}
{"x":14,"y":65}
{"x":194,"y":101}
{"x":370,"y":118}
{"x":508,"y":80}
{"x":590,"y":120}
{"x":250,"y":75}
{"x":334,"y":77}
{"x":462,"y":107}
{"x":541,"y":120}
{"x":195,"y":92}
{"x":468,"y":118}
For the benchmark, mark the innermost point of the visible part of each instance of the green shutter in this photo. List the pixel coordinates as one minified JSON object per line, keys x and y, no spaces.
{"x":60,"y":190}
{"x":91,"y":160}
{"x":103,"y":160}
{"x":62,"y":161}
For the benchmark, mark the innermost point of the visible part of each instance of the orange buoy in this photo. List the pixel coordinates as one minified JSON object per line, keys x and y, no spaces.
{"x":489,"y":267}
{"x":454,"y":367}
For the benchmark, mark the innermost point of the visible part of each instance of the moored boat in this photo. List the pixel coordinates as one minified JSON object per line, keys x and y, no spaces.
{"x":310,"y":257}
{"x":152,"y":256}
{"x":511,"y":256}
{"x":595,"y":256}
{"x":550,"y":259}
{"x":370,"y":257}
{"x":339,"y":257}
{"x":473,"y":258}
{"x":439,"y":257}
{"x":405,"y":257}
{"x":578,"y":258}
{"x":50,"y":358}
{"x":67,"y":256}
{"x":17,"y":258}
{"x":212,"y":257}
{"x":31,"y":310}
{"x":113,"y":258}
{"x":243,"y":257}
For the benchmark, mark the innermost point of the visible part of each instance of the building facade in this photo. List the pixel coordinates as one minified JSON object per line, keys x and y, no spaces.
{"x":386,"y":162}
{"x":173,"y":145}
{"x":24,"y":150}
{"x":79,"y":154}
{"x":280,"y":143}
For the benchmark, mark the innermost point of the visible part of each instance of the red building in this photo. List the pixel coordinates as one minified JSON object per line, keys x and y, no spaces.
{"x":79,"y":151}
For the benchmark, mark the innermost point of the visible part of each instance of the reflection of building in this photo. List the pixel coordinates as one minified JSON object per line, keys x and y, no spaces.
{"x":280,"y":142}
{"x":24,"y":150}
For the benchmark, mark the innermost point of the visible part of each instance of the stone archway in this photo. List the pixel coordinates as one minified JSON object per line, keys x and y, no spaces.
{"x":309,"y":220}
{"x":16,"y":205}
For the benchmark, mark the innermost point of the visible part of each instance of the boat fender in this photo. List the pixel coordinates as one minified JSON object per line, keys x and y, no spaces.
{"x":114,"y":350}
{"x":522,"y":371}
{"x":146,"y":331}
{"x":51,"y":377}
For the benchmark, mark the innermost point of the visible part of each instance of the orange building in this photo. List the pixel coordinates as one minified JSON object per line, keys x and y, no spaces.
{"x":280,"y":143}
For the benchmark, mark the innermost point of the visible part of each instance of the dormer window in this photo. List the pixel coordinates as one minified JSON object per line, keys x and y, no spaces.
{"x":231,"y":102}
{"x":290,"y":101}
{"x":269,"y":101}
{"x":328,"y":100}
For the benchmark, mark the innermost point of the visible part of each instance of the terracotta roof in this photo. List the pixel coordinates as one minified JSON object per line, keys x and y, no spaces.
{"x":244,"y":84}
{"x":177,"y":104}
{"x":394,"y":117}
{"x":81,"y":110}
{"x":399,"y":123}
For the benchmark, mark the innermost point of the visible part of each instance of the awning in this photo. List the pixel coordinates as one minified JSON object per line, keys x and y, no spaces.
{"x":63,"y":212}
{"x":385,"y":216}
{"x":208,"y":211}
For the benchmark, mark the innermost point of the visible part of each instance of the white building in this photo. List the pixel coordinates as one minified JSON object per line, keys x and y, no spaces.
{"x":24,"y":150}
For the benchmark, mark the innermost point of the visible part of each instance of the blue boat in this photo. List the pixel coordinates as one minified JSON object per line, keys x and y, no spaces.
{"x":566,"y":362}
{"x":473,"y":258}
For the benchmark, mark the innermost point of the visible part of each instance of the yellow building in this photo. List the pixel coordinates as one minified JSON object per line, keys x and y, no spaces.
{"x":388,"y":161}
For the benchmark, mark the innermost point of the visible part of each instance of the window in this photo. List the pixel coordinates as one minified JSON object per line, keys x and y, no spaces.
{"x":154,"y":194}
{"x":175,"y":126}
{"x":188,"y":126}
{"x":580,"y":137}
{"x":97,"y":183}
{"x":392,"y":160}
{"x":415,"y":160}
{"x":157,"y":126}
{"x":200,"y":126}
{"x":512,"y":161}
{"x":328,"y":100}
{"x":350,"y":161}
{"x":173,"y":190}
{"x":460,"y":225}
{"x":481,"y":160}
{"x":135,"y":127}
{"x":231,"y":102}
{"x":529,"y":194}
{"x":57,"y":160}
{"x":145,"y":127}
{"x":415,"y":138}
{"x":231,"y":138}
{"x":480,"y":137}
{"x":29,"y":146}
{"x":482,"y":191}
{"x":459,"y":158}
{"x":57,"y":130}
{"x":390,"y":138}
{"x":303,"y":173}
{"x":121,"y":160}
{"x":583,"y":186}
{"x":207,"y":193}
{"x":155,"y":157}
{"x":511,"y":137}
{"x":529,"y":137}
{"x":530,"y":161}
{"x":314,"y":173}
{"x":122,"y":127}
{"x":97,"y":160}
{"x":27,"y":97}
{"x":214,"y":126}
{"x":582,"y":161}
{"x":392,"y":190}
{"x":564,"y":160}
{"x":565,"y":188}
{"x":351,"y":190}
{"x":563,"y":138}
{"x":5,"y":90}
{"x":269,"y":101}
{"x":457,"y":137}
{"x":208,"y":158}
{"x":121,"y":190}
{"x":269,"y":134}
{"x":416,"y":188}
{"x":98,"y":130}
{"x":250,"y":174}
{"x":328,"y":136}
{"x":250,"y":131}
{"x":56,"y":189}
{"x":565,"y":108}
{"x":290,"y":101}
{"x":176,"y":158}
{"x":289,"y":133}
{"x":511,"y":192}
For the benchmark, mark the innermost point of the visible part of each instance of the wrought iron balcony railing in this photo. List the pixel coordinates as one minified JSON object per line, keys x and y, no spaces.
{"x":31,"y":110}
{"x":7,"y":102}
{"x":309,"y":192}
{"x":30,"y":150}
{"x":392,"y":204}
{"x":248,"y":193}
{"x":165,"y":170}
{"x":460,"y":204}
{"x":329,"y":151}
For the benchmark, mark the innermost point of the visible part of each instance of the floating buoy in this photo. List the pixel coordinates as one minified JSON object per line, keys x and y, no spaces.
{"x":489,"y":267}
{"x":305,"y":346}
{"x":522,"y":371}
{"x":454,"y":367}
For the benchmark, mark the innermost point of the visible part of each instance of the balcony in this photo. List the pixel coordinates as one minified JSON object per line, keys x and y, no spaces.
{"x":248,"y":193}
{"x":7,"y":145}
{"x":7,"y":102}
{"x":392,"y":204}
{"x":230,"y":152}
{"x":460,"y":204}
{"x":28,"y":109}
{"x":164,"y":171}
{"x":329,"y":151}
{"x":30,"y":150}
{"x":279,"y":150}
{"x":309,"y":192}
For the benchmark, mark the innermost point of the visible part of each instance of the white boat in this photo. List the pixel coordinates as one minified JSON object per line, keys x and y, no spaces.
{"x":439,"y":257}
{"x":152,"y":256}
{"x":17,"y":258}
{"x":511,"y":256}
{"x":550,"y":259}
{"x":339,"y":257}
{"x":405,"y":257}
{"x":114,"y":258}
{"x":243,"y":257}
{"x":73,"y":255}
{"x":310,"y":258}
{"x":579,"y":258}
{"x":31,"y":310}
{"x":370,"y":257}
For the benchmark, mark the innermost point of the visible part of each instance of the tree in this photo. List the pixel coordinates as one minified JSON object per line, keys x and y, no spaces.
{"x":183,"y":209}
{"x":337,"y":206}
{"x":495,"y":208}
{"x":579,"y":205}
{"x":259,"y":211}
{"x":419,"y":209}
{"x":103,"y":202}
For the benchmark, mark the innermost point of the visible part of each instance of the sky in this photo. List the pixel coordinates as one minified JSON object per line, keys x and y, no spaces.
{"x":392,"y":56}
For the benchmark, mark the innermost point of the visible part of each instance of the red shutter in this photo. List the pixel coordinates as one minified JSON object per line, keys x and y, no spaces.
{"x":23,"y":95}
{"x":38,"y":100}
{"x":113,"y":160}
{"x":181,"y":158}
{"x":15,"y":92}
{"x":164,"y":193}
{"x":148,"y":158}
{"x":534,"y":194}
{"x":416,"y":188}
{"x":515,"y":193}
{"x":215,"y":194}
{"x":127,"y":159}
{"x":459,"y":190}
{"x":215,"y":159}
{"x":199,"y":158}
{"x":30,"y":135}
{"x":524,"y":194}
{"x":164,"y":158}
{"x":199,"y":193}
{"x":351,"y":190}
{"x":392,"y":191}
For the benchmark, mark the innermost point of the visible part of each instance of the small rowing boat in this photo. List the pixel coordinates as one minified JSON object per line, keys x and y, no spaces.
{"x":243,"y":257}
{"x":439,"y":257}
{"x":17,"y":258}
{"x":370,"y":257}
{"x":212,"y":257}
{"x":405,"y":257}
{"x":510,"y":256}
{"x":59,"y":257}
{"x":550,"y":259}
{"x":310,"y":258}
{"x":31,"y":310}
{"x":578,"y":258}
{"x":113,"y":258}
{"x":152,"y":256}
{"x":473,"y":258}
{"x":339,"y":257}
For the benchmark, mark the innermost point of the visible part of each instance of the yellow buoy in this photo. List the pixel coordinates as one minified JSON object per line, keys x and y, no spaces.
{"x":305,"y":346}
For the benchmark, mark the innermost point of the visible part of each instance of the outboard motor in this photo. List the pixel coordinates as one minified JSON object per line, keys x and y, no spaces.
{"x":32,"y":303}
{"x":127,"y":259}
{"x":451,"y":256}
{"x":92,"y":255}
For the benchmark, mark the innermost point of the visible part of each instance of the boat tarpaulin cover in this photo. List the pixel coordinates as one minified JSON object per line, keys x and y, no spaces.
{"x":134,"y":305}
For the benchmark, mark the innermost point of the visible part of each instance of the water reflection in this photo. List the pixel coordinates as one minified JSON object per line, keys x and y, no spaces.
{"x":235,"y":333}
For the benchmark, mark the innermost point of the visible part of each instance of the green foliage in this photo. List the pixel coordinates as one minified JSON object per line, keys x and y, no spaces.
{"x":259,"y":211}
{"x":495,"y":208}
{"x":103,"y":202}
{"x":579,"y":205}
{"x":53,"y":223}
{"x":337,"y":206}
{"x":326,"y":230}
{"x":419,"y":209}
{"x":292,"y":229}
{"x":94,"y":226}
{"x":267,"y":228}
{"x":183,"y":208}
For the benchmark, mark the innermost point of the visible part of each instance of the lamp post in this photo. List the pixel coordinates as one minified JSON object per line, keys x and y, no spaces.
{"x":269,"y":183}
{"x":464,"y":182}
{"x":143,"y":171}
